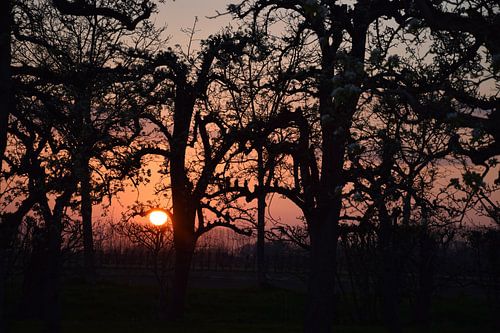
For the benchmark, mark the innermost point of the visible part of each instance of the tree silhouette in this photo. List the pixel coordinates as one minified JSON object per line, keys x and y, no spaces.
{"x":174,"y":99}
{"x":129,"y":13}
{"x":82,"y":69}
{"x":341,"y":37}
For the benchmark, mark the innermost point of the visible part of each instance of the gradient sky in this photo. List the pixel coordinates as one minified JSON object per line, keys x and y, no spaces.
{"x":180,"y":14}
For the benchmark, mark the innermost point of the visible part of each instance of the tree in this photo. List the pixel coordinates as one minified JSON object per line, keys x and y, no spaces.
{"x":128,"y":12}
{"x":47,"y":184}
{"x":89,"y":71}
{"x":258,"y":93}
{"x":397,"y":161}
{"x":18,"y":194}
{"x":138,"y":10}
{"x":174,"y":100}
{"x":340,"y":36}
{"x":158,"y":241}
{"x":197,"y":131}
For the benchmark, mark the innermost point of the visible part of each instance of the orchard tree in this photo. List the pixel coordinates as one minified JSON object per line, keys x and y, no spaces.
{"x":18,"y":192}
{"x":84,"y":62}
{"x":349,"y":63}
{"x":38,"y":163}
{"x":196,"y":133}
{"x":174,"y":93}
{"x":158,"y":242}
{"x":127,"y":12}
{"x":258,"y":92}
{"x":396,"y":166}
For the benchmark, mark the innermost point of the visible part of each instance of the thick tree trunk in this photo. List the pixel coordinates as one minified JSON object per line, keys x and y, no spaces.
{"x":52,"y":309}
{"x":425,"y":279}
{"x":184,"y":206}
{"x":321,"y":294}
{"x":88,"y":238}
{"x":3,"y":278}
{"x":184,"y":240}
{"x":184,"y":250}
{"x":8,"y":231}
{"x":32,"y":302}
{"x":389,"y":279}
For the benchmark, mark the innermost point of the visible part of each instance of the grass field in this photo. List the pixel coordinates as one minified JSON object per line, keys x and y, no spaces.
{"x":110,"y":308}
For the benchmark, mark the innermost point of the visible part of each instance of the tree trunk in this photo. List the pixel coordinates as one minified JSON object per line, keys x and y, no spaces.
{"x":183,"y":203}
{"x":184,"y":250}
{"x":321,"y":296}
{"x":8,"y":231}
{"x":52,"y":310}
{"x":86,"y":212}
{"x":389,"y":278}
{"x":3,"y":278}
{"x":261,"y":225}
{"x":425,"y":279}
{"x":32,"y":303}
{"x":261,"y":259}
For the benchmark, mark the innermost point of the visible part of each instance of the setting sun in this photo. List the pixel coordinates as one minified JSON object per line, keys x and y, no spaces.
{"x":158,"y":217}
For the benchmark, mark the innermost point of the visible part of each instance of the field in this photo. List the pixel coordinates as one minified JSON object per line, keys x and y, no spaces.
{"x":117,"y":307}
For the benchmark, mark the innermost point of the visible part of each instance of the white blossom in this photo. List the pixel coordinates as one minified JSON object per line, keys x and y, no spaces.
{"x":337,"y":91}
{"x":414,"y":24}
{"x":357,"y":196}
{"x":451,"y":115}
{"x":376,"y":55}
{"x":476,"y":133}
{"x":338,"y":189}
{"x":353,"y":147}
{"x":350,"y":75}
{"x":393,"y":60}
{"x":352,"y":89}
{"x":326,"y":118}
{"x":336,"y":79}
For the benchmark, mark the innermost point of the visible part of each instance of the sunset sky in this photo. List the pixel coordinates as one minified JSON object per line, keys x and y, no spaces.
{"x":178,"y":15}
{"x":181,"y":14}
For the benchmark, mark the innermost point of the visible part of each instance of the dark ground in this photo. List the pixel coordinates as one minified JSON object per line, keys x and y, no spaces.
{"x":222,"y":302}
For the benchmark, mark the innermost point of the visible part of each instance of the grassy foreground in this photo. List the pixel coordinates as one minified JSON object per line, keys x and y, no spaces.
{"x":110,"y":308}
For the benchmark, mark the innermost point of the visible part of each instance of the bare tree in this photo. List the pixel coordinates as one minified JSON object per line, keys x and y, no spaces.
{"x":158,"y":241}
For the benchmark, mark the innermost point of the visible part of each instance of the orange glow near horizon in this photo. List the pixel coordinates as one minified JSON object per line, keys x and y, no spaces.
{"x":158,"y":217}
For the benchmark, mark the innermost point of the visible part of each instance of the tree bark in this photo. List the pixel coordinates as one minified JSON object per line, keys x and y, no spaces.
{"x":86,"y":212}
{"x":33,"y":283}
{"x":261,"y":224}
{"x":8,"y":230}
{"x":261,"y":259}
{"x":183,"y":203}
{"x":425,"y":279}
{"x":389,"y":278}
{"x":321,"y":294}
{"x":3,"y":278}
{"x":184,"y":250}
{"x":52,"y":309}
{"x":184,"y":245}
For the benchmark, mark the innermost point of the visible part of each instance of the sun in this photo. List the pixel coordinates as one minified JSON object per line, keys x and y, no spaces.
{"x":158,"y":217}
